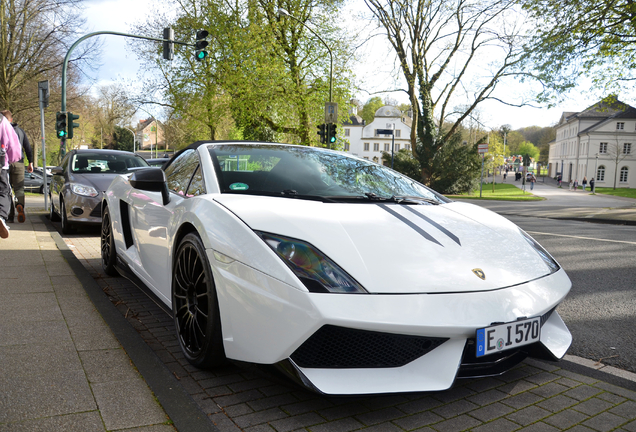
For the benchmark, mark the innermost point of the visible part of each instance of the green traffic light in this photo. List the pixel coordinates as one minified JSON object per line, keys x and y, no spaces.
{"x":333,"y":139}
{"x":201,"y":55}
{"x":61,"y":134}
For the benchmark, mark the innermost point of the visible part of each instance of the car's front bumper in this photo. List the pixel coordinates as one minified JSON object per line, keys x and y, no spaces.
{"x":266,"y":322}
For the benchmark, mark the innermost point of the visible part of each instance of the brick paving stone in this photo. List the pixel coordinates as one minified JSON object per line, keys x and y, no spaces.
{"x":517,"y":387}
{"x":557,"y":403}
{"x":604,"y":422}
{"x":542,"y":378}
{"x":522,"y":400}
{"x":491,"y":412}
{"x":529,"y":415}
{"x":565,"y":419}
{"x":259,"y":417}
{"x":341,"y":411}
{"x":206,"y":403}
{"x":307,"y":406}
{"x":390,"y":427}
{"x":384,"y":401}
{"x":238,"y":410}
{"x":293,"y":423}
{"x":631,"y":427}
{"x":223,"y":423}
{"x":610,"y":397}
{"x":220,"y":391}
{"x":625,"y":409}
{"x":380,"y":416}
{"x":582,"y":392}
{"x":454,"y":409}
{"x":275,"y":389}
{"x":592,"y":406}
{"x":260,"y":428}
{"x":483,"y":384}
{"x":518,"y":374}
{"x":487,"y":397}
{"x":549,"y":390}
{"x":342,"y":425}
{"x":237,"y":398}
{"x":568,"y":382}
{"x":539,"y":427}
{"x":220,"y":380}
{"x":576,"y":377}
{"x":457,"y":424}
{"x":418,"y":420}
{"x":272,"y":401}
{"x":424,"y":404}
{"x":580,"y":428}
{"x":499,"y":425}
{"x":248,"y":385}
{"x":617,"y":390}
{"x":548,"y":367}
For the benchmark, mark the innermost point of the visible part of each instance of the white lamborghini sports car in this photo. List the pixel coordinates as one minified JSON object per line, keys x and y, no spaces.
{"x":344,"y":274}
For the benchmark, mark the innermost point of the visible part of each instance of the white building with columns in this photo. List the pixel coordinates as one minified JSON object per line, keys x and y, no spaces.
{"x":365,"y":141}
{"x":599,"y":142}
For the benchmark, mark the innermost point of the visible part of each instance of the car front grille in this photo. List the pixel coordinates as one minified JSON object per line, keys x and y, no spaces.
{"x":333,"y":347}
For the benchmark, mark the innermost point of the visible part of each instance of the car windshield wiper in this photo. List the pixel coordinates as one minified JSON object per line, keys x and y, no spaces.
{"x":287,"y":193}
{"x":401,"y":199}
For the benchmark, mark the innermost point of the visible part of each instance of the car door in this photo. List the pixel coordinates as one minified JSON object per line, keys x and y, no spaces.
{"x":152,"y":222}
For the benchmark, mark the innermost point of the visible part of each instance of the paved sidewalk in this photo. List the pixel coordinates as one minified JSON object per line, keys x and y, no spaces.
{"x":61,"y":368}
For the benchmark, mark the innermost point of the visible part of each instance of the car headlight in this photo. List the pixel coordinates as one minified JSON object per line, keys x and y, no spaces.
{"x":547,"y":258}
{"x":315,"y":270}
{"x":80,"y":189}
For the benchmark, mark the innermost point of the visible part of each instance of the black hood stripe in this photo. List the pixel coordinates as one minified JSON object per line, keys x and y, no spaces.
{"x":435,"y":224}
{"x":419,"y":230}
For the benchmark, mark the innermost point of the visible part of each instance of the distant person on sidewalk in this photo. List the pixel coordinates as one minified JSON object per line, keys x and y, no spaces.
{"x":16,"y":169}
{"x":571,"y":184}
{"x":504,"y":176}
{"x":584,"y":182}
{"x":10,"y":152}
{"x":576,"y":184}
{"x":533,"y":180}
{"x":592,"y":185}
{"x":559,"y":179}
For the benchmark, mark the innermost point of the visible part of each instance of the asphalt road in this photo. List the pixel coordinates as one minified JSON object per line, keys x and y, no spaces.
{"x":600,"y":310}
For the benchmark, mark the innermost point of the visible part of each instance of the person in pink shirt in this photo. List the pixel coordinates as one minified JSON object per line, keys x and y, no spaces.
{"x":10,"y":151}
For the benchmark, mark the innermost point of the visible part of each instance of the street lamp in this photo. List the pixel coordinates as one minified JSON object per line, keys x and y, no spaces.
{"x":134,"y":136}
{"x":283,"y":12}
{"x":595,"y":174}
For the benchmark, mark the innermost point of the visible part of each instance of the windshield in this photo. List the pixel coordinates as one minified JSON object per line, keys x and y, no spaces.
{"x":105,"y":163}
{"x":295,"y":170}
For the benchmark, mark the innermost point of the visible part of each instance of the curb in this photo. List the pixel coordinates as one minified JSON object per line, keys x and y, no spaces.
{"x":176,"y":402}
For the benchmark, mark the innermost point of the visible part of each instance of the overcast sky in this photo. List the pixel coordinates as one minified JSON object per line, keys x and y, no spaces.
{"x":118,"y":63}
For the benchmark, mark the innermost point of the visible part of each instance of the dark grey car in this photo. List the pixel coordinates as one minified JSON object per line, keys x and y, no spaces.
{"x":78,"y":183}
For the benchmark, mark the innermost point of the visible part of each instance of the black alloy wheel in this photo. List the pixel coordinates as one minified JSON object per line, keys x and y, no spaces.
{"x":66,"y":226}
{"x":109,"y":254}
{"x":53,"y":216}
{"x":195,"y":305}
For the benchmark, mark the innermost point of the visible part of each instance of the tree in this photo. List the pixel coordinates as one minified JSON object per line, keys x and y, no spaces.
{"x":122,"y":139}
{"x":617,"y":153}
{"x":440,"y":46}
{"x":593,"y":38}
{"x":370,"y":107}
{"x":528,"y":149}
{"x":265,"y":78}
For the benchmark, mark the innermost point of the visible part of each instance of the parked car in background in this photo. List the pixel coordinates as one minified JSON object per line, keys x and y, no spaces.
{"x":158,"y":162}
{"x":343,"y":274}
{"x":78,"y":184}
{"x":34,"y":182}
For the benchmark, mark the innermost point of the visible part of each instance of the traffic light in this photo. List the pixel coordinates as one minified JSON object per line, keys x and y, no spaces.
{"x":70,"y":117}
{"x":60,"y":124}
{"x":200,"y":44}
{"x":331,"y":133}
{"x":322,"y":131}
{"x":168,"y":44}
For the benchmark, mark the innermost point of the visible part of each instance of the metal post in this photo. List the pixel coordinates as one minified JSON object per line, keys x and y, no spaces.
{"x":595,"y":174}
{"x":481,"y":181}
{"x":45,"y":189}
{"x":392,"y":144}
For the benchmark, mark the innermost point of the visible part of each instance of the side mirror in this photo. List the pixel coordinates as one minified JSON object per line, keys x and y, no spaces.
{"x":57,"y":170}
{"x":151,"y":180}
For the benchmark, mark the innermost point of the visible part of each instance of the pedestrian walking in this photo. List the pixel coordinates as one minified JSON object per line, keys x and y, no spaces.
{"x":592,"y":185}
{"x":16,"y":169}
{"x":9,"y":152}
{"x":504,"y":176}
{"x":576,"y":184}
{"x":584,"y":182}
{"x":559,"y":179}
{"x":533,"y":180}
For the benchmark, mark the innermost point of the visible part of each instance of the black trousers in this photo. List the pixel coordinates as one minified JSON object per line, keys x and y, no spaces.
{"x":5,"y":193}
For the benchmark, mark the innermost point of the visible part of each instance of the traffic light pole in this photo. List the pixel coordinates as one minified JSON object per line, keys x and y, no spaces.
{"x":82,"y":39}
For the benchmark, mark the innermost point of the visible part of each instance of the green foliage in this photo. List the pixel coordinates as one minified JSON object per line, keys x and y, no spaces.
{"x":404,"y":162}
{"x":456,"y":167}
{"x":575,"y":38}
{"x":370,"y":107}
{"x":122,"y":139}
{"x":527,"y":148}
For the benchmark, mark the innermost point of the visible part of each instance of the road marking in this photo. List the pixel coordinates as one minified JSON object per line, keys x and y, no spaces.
{"x":582,"y":238}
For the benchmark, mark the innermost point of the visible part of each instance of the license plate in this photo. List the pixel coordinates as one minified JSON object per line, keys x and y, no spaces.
{"x":503,"y":337}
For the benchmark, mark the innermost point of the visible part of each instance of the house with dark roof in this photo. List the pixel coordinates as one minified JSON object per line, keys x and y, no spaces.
{"x":598,"y":142}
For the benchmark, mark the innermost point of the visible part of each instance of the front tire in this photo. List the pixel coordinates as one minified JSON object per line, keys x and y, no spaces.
{"x":66,"y":226}
{"x":195,"y":306}
{"x":109,"y":254}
